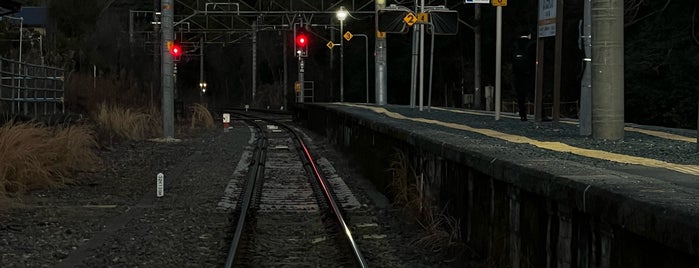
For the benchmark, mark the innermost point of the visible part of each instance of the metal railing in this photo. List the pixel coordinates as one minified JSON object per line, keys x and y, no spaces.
{"x":30,"y":90}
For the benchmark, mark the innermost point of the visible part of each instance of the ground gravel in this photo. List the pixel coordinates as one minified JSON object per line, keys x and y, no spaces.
{"x":112,"y":218}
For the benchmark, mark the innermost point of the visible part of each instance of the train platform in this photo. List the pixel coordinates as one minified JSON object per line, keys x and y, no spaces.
{"x":646,"y":185}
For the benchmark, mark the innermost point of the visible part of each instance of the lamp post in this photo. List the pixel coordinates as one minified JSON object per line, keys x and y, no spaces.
{"x":341,"y":15}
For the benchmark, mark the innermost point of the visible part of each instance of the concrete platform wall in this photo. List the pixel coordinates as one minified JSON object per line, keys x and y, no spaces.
{"x":514,"y":215}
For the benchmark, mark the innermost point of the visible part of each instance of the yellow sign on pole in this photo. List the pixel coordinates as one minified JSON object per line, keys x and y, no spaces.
{"x":380,"y":34}
{"x":499,"y":3}
{"x":422,"y":17}
{"x":410,"y":19}
{"x":348,"y":36}
{"x":170,"y":44}
{"x":330,"y":44}
{"x":297,"y":87}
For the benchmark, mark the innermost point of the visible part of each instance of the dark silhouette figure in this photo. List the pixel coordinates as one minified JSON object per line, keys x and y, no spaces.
{"x":523,"y":66}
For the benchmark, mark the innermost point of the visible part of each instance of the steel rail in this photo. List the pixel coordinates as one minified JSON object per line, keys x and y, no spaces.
{"x":256,"y":170}
{"x":359,"y":258}
{"x":328,"y":196}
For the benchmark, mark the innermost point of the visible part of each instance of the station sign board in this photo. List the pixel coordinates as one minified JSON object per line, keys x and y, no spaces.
{"x":547,"y":18}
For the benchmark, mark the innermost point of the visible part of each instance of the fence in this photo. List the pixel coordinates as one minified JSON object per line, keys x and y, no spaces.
{"x":30,"y":90}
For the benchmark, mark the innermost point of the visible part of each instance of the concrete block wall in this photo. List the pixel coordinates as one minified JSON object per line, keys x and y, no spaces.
{"x":514,"y":214}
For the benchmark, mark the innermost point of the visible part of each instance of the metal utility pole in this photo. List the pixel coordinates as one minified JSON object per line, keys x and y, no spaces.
{"x":422,"y":56}
{"x":498,"y":62}
{"x":342,"y":62}
{"x":586,"y":85}
{"x":477,"y":58}
{"x":413,"y":66}
{"x":608,"y":69}
{"x":429,"y":93}
{"x":167,"y":11}
{"x":555,"y":113}
{"x":299,"y":86}
{"x":202,"y":83}
{"x":201,"y":60}
{"x":380,"y":63}
{"x":300,"y":82}
{"x":254,"y":59}
{"x":286,"y":73}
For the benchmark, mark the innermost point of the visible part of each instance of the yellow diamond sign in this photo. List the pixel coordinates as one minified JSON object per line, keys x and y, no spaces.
{"x":348,"y":36}
{"x":410,"y":19}
{"x":330,"y":44}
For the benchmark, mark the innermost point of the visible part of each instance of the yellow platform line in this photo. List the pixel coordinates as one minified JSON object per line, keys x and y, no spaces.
{"x":655,"y":133}
{"x":661,"y":134}
{"x":553,"y":146}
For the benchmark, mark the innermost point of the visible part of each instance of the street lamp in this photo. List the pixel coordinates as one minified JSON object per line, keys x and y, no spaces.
{"x":341,"y":15}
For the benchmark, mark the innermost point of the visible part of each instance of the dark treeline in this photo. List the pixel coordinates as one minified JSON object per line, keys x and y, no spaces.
{"x":661,"y":56}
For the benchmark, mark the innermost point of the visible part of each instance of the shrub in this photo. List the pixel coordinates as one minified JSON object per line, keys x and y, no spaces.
{"x":127,"y":123}
{"x":202,"y":115}
{"x":33,"y":156}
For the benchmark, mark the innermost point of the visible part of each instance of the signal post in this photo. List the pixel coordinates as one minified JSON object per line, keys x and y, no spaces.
{"x":301,"y":51}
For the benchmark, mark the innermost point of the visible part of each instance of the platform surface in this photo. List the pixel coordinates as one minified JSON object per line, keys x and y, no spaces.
{"x":650,"y":179}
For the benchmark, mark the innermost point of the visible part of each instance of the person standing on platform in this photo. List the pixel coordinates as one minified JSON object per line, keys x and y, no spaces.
{"x":523,"y":66}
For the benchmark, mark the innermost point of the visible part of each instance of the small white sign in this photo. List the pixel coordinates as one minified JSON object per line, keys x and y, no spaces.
{"x":226,"y":118}
{"x":160,"y":190}
{"x":547,"y":18}
{"x":477,"y":1}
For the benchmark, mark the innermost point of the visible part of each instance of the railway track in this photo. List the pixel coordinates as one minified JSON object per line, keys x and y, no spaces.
{"x":287,"y":215}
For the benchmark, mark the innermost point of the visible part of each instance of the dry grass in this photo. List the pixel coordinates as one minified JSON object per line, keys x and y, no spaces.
{"x":116,"y":121}
{"x":33,"y":156}
{"x":441,"y":232}
{"x":202,"y":116}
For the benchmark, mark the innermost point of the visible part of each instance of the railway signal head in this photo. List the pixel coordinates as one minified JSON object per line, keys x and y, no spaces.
{"x":175,"y":50}
{"x":301,"y":44}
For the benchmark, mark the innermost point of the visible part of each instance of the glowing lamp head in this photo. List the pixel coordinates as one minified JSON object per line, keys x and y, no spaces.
{"x":176,"y":50}
{"x":302,"y":40}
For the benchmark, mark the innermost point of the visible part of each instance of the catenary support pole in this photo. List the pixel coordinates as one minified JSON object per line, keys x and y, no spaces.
{"x":380,"y":64}
{"x":421,"y":71}
{"x":167,"y":13}
{"x":286,"y":68}
{"x":254,"y":60}
{"x":477,"y":58}
{"x":608,"y":69}
{"x":429,"y":93}
{"x":555,"y":112}
{"x":498,"y":62}
{"x":300,"y":94}
{"x":413,"y":66}
{"x":539,"y":80}
{"x":342,"y":63}
{"x":585,"y":112}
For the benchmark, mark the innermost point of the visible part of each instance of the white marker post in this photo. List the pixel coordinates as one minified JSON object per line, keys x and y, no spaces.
{"x":160,"y":189}
{"x":226,"y":121}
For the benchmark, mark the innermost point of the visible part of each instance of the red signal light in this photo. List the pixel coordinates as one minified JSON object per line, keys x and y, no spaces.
{"x":301,"y":40}
{"x":176,"y":50}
